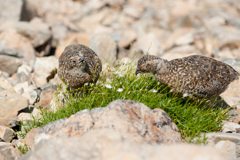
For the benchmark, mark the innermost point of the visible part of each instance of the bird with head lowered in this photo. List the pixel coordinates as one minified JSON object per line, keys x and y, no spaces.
{"x":196,"y":76}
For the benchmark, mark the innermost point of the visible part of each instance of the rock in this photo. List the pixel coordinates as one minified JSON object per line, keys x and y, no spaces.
{"x":183,"y":50}
{"x":231,"y":95}
{"x":57,"y":100}
{"x":111,"y":19}
{"x":133,"y":11}
{"x":59,"y":32}
{"x":9,"y":52}
{"x":180,"y":36}
{"x":235,"y":63}
{"x":10,"y":64}
{"x":214,"y":138}
{"x":74,"y":38}
{"x":53,"y":11}
{"x":6,"y":134}
{"x":47,"y":94}
{"x":43,"y":67}
{"x":9,"y":152}
{"x":91,"y":22}
{"x":237,"y":119}
{"x":149,"y":44}
{"x":108,"y":144}
{"x":37,"y":31}
{"x":215,"y":21}
{"x":171,"y":56}
{"x":104,"y":47}
{"x":10,"y":10}
{"x":27,"y":91}
{"x":10,"y":38}
{"x":115,"y":3}
{"x":25,"y":117}
{"x":4,"y":75}
{"x":230,"y":127}
{"x":187,"y":38}
{"x":229,"y":33}
{"x":30,"y":115}
{"x":5,"y":85}
{"x":127,"y":37}
{"x":23,"y":75}
{"x":10,"y":104}
{"x":135,"y":121}
{"x":29,"y":138}
{"x":15,"y":125}
{"x":228,"y":148}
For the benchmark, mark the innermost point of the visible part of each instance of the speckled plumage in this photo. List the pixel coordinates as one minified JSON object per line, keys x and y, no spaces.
{"x":195,"y":75}
{"x":78,"y":64}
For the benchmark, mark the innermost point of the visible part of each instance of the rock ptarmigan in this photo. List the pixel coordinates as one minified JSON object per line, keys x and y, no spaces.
{"x":196,"y":76}
{"x":78,"y":65}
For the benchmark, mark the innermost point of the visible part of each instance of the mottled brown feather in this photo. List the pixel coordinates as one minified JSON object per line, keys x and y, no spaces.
{"x":91,"y":71}
{"x":195,"y":75}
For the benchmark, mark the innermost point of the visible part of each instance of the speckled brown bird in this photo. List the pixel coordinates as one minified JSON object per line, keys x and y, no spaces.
{"x":78,"y":65}
{"x":196,"y":76}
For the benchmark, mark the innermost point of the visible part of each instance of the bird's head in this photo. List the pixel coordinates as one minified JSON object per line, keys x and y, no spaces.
{"x":150,"y":64}
{"x":78,"y":62}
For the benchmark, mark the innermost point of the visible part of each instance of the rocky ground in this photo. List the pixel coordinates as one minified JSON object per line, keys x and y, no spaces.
{"x":33,"y":34}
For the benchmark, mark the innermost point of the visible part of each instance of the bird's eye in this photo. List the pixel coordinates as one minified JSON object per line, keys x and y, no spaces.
{"x":74,"y":61}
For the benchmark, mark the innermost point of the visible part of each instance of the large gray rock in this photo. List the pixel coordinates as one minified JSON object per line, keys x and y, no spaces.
{"x":135,"y":121}
{"x":9,"y":152}
{"x":109,"y":144}
{"x":104,"y":47}
{"x":10,"y":10}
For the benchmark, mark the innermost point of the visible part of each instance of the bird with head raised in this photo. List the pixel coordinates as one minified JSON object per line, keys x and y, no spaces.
{"x":196,"y":76}
{"x":78,"y":65}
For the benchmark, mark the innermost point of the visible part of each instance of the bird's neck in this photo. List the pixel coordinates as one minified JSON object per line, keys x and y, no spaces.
{"x":160,"y":66}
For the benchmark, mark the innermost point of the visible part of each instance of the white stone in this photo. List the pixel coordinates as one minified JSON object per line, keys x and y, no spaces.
{"x":228,"y":148}
{"x":230,"y":127}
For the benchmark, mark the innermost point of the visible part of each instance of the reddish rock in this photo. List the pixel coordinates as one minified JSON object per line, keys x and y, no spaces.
{"x":135,"y":121}
{"x":47,"y":95}
{"x":29,"y":138}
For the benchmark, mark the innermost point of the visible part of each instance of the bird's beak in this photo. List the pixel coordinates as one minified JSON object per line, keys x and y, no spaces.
{"x":137,"y":72}
{"x":83,"y":59}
